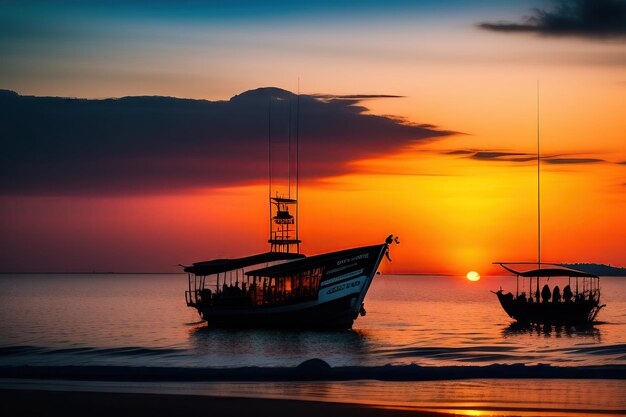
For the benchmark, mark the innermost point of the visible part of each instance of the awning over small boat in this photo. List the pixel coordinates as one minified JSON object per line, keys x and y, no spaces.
{"x":534,"y":269}
{"x":314,"y":261}
{"x":217,"y":266}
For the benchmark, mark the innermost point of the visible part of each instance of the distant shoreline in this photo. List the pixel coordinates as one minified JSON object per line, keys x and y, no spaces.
{"x":419,"y":274}
{"x":92,"y":273}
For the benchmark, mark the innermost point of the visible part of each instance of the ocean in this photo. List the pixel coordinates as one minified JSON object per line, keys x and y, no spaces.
{"x":142,"y":320}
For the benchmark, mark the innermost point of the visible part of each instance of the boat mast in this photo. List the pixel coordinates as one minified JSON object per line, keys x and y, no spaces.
{"x":289,"y":151}
{"x":297,"y":158}
{"x":269,"y":156}
{"x":538,"y":194}
{"x":283,"y":230}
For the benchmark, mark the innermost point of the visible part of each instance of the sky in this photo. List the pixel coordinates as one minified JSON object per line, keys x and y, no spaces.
{"x":416,"y":118}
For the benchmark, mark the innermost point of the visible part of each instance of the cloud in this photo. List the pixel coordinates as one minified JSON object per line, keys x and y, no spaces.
{"x":565,"y":161}
{"x":506,"y":156}
{"x":357,"y":97}
{"x":501,"y":156}
{"x":459,"y":152}
{"x":584,"y":18}
{"x":138,"y":145}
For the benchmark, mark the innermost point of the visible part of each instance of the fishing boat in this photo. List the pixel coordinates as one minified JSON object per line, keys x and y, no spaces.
{"x":282,"y":287}
{"x":566,"y":307}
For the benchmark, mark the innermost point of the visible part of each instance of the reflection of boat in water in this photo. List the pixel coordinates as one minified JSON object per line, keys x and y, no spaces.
{"x":283,"y":288}
{"x":580,"y":331}
{"x":578,"y":306}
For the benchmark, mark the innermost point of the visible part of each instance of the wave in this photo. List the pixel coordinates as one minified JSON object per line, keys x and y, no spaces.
{"x":118,"y":351}
{"x":315,"y":369}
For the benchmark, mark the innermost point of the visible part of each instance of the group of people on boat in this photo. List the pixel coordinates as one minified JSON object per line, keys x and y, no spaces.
{"x":242,"y":293}
{"x":554,"y":295}
{"x":231,"y":291}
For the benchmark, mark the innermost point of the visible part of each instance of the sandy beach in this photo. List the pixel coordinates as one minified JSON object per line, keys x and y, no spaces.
{"x":95,"y":404}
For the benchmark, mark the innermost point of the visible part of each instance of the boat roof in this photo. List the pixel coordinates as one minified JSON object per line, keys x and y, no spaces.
{"x":217,"y":266}
{"x":311,"y":262}
{"x":284,"y":200}
{"x":534,"y":269}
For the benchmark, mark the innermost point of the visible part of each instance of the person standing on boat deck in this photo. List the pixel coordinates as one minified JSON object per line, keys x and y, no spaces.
{"x":545,"y":293}
{"x":556,"y":294}
{"x":567,"y":294}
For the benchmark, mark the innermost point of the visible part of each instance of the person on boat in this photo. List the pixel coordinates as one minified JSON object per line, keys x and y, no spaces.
{"x":556,"y":294}
{"x":545,"y":293}
{"x":205,"y":295}
{"x":567,"y":294}
{"x":522,"y":297}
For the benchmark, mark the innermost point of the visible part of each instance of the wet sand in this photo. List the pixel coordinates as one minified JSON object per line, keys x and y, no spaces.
{"x":96,"y":404}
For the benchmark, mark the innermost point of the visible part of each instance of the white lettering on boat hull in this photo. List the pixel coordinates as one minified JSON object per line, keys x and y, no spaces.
{"x":334,"y":292}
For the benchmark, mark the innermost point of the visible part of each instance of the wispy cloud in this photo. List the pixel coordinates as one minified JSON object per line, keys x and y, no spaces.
{"x":508,"y":156}
{"x":358,"y":97}
{"x":583,"y":18}
{"x":566,"y":161}
{"x":137,"y":145}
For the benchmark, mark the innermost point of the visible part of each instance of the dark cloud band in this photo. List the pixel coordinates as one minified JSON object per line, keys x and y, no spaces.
{"x":137,"y":145}
{"x":584,"y":18}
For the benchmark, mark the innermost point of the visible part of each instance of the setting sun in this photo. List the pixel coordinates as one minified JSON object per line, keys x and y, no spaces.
{"x":473,"y":276}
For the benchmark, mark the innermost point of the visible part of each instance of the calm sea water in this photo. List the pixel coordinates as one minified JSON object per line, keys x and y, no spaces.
{"x":142,"y":320}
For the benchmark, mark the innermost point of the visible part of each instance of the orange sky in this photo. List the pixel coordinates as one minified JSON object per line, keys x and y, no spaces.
{"x":452,"y":213}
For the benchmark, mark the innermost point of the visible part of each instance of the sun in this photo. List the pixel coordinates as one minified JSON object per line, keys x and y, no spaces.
{"x":473,"y":276}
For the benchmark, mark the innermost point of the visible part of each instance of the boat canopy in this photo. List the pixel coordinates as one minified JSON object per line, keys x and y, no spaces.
{"x":312,"y":262}
{"x":534,"y":269}
{"x":217,"y":266}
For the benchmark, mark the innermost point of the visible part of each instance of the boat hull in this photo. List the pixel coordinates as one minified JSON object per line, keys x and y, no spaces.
{"x":335,"y":314}
{"x":559,"y":313}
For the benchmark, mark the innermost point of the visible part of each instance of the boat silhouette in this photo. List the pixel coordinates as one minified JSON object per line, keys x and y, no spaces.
{"x":549,"y":306}
{"x":282,"y":287}
{"x":575,"y":306}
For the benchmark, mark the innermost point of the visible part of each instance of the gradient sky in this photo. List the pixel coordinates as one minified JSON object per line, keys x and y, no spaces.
{"x":458,"y":200}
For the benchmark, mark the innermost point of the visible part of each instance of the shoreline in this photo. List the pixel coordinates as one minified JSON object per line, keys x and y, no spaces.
{"x":345,"y":398}
{"x":96,"y":404}
{"x":312,"y":370}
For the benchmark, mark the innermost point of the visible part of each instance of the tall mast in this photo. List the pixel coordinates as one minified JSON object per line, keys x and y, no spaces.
{"x":538,"y":184}
{"x":269,"y":157}
{"x":297,"y":158}
{"x":538,"y":194}
{"x":283,"y":224}
{"x":289,"y":152}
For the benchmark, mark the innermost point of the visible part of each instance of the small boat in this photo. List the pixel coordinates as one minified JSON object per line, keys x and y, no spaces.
{"x":549,"y":306}
{"x":554,"y":307}
{"x":282,"y":287}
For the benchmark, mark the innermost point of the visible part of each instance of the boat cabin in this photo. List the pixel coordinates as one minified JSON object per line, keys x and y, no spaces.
{"x":226,"y":282}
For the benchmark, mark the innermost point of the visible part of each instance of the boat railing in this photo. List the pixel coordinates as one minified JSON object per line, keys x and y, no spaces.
{"x":582,"y":296}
